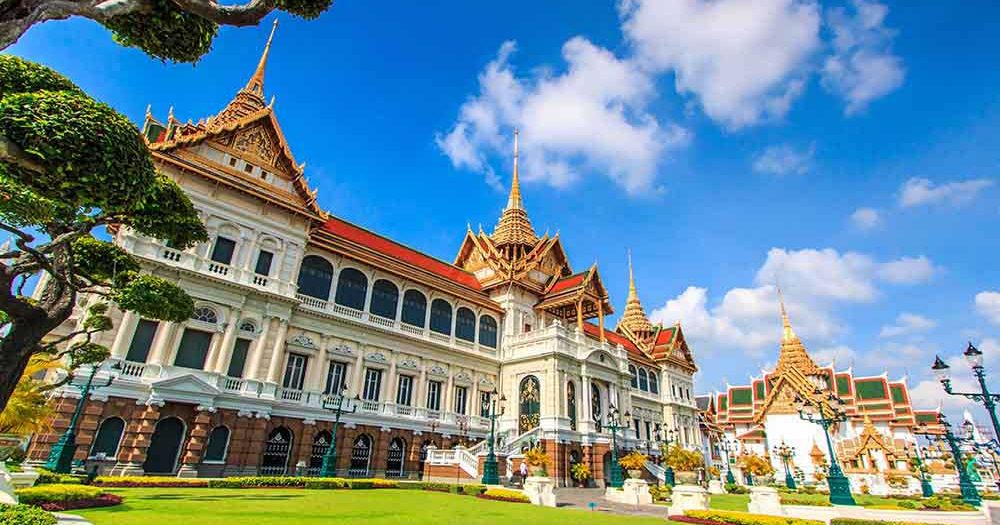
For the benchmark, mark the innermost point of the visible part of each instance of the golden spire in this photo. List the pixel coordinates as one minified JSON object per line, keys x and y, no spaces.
{"x":793,"y":352}
{"x":787,"y":334}
{"x":256,"y":82}
{"x":634,"y":317}
{"x":514,"y":228}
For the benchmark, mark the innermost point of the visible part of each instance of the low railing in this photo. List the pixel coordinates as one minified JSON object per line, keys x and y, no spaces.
{"x":468,"y":462}
{"x":347,"y":311}
{"x":312,"y":301}
{"x":233,"y":384}
{"x":382,"y":321}
{"x":659,"y":472}
{"x":288,"y":394}
{"x":369,"y":406}
{"x":132,"y":369}
{"x":514,"y":445}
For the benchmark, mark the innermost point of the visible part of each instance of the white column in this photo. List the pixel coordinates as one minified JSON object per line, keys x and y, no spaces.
{"x":447,"y":404}
{"x":421,"y":388}
{"x":161,"y":341}
{"x":390,"y":383}
{"x":225,"y":350}
{"x":583,"y":402}
{"x":250,"y":249}
{"x":473,"y":402}
{"x":277,"y":352}
{"x":316,"y":367}
{"x":256,"y":360}
{"x":359,"y":372}
{"x":126,"y":329}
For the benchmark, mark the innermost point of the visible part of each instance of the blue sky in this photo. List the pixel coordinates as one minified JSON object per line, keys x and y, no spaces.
{"x":850,"y":149}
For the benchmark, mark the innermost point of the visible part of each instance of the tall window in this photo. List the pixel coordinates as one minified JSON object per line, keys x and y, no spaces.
{"x":529,"y":404}
{"x":335,"y":377}
{"x":465,"y":325}
{"x":193,"y":349}
{"x":264,"y":260}
{"x":654,"y":383}
{"x":649,"y":430}
{"x":394,"y":465}
{"x":223,"y":250}
{"x":595,"y":405}
{"x":484,"y":404}
{"x":643,"y":380}
{"x":441,"y":317}
{"x":352,"y":286}
{"x":109,"y":436}
{"x":142,"y":341}
{"x":461,"y":395}
{"x":315,"y":277}
{"x":373,"y":384}
{"x":385,"y":297}
{"x":487,"y":331}
{"x":295,"y":371}
{"x":571,"y":404}
{"x":634,"y":375}
{"x":404,"y":390}
{"x":637,"y":434}
{"x":239,"y":360}
{"x":218,"y":443}
{"x":434,"y":395}
{"x":414,"y":308}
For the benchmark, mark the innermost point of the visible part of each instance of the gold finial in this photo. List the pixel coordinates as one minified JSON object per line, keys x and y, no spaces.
{"x":634,"y":317}
{"x":170,"y":114}
{"x":514,"y":201}
{"x":787,"y":334}
{"x":149,"y":111}
{"x":631,"y":278}
{"x":256,"y":83}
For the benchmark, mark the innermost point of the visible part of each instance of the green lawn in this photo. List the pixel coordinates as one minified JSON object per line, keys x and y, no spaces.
{"x":739,"y":501}
{"x":293,"y":507}
{"x":729,"y":501}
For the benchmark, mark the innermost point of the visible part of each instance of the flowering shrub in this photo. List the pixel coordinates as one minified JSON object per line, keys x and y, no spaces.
{"x":634,"y":460}
{"x":25,"y":515}
{"x":512,"y":496}
{"x":681,"y":459}
{"x":148,"y":481}
{"x":536,"y":458}
{"x":66,"y":497}
{"x":732,"y":517}
{"x":581,"y":472}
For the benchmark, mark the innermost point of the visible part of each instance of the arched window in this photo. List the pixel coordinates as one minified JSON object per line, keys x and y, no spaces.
{"x":414,"y":308}
{"x":571,"y":404}
{"x":394,"y":465}
{"x":385,"y":297}
{"x":218,"y":444}
{"x":441,"y":317}
{"x":352,"y":286}
{"x":205,"y":314}
{"x":423,"y":455}
{"x":635,"y":377}
{"x":361,"y":455}
{"x":164,"y":446}
{"x":643,"y":380}
{"x":595,"y":405}
{"x":315,"y":277}
{"x":248,"y":327}
{"x":529,"y":403}
{"x":321,"y":445}
{"x":654,"y":382}
{"x":487,"y":331}
{"x":276,"y":449}
{"x":465,"y":325}
{"x":109,"y":436}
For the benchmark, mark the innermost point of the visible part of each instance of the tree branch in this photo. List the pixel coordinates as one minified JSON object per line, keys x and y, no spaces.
{"x":247,"y":14}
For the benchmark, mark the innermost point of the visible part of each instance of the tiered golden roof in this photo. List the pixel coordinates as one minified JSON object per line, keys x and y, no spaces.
{"x":634,"y":317}
{"x":793,"y":352}
{"x":249,"y":100}
{"x":513,"y":233}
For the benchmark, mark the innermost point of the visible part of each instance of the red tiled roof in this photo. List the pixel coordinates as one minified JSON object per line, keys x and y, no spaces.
{"x":398,"y":251}
{"x":567,"y":282}
{"x":615,"y":338}
{"x":665,"y":336}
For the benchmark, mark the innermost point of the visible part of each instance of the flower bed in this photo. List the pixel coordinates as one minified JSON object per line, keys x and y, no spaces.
{"x":731,"y":517}
{"x":25,"y":515}
{"x":511,"y":496}
{"x":148,"y":481}
{"x":66,"y":497}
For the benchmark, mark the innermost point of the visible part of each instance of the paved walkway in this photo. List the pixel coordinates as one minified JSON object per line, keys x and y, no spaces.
{"x":69,"y":519}
{"x":583,"y":498}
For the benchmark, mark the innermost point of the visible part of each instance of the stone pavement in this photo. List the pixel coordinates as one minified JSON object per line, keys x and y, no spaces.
{"x":69,"y":519}
{"x":582,"y":498}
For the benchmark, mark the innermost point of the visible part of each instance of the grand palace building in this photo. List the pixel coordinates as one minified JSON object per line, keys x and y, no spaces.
{"x":294,"y":306}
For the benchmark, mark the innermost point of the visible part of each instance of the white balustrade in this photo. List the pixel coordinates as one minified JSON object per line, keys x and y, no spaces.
{"x":369,"y":406}
{"x":382,"y":321}
{"x":347,"y":312}
{"x":233,"y":384}
{"x":132,"y":369}
{"x":288,"y":394}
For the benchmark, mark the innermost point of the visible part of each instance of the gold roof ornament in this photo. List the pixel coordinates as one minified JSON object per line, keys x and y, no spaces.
{"x":513,"y":233}
{"x":793,"y":352}
{"x":250,"y":99}
{"x":634,"y":317}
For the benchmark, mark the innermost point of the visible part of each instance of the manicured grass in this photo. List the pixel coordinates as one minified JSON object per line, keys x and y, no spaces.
{"x":739,"y":501}
{"x":370,"y":507}
{"x":729,"y":501}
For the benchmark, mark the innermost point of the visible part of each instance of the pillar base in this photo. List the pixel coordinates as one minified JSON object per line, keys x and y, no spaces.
{"x":127,"y":468}
{"x":188,"y":471}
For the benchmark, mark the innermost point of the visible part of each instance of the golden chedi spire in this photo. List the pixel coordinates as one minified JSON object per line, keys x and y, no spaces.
{"x":793,"y":352}
{"x":250,"y":99}
{"x":513,"y":233}
{"x":634,"y":317}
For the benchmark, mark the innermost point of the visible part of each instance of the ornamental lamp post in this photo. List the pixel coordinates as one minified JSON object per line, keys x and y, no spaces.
{"x":926,"y":490}
{"x":496,"y":409}
{"x":974,"y":358}
{"x":729,"y":446}
{"x":989,"y":449}
{"x":667,"y":437}
{"x":329,"y":467}
{"x":60,"y":458}
{"x":786,"y":453}
{"x":969,"y":493}
{"x":826,"y":412}
{"x":614,"y":425}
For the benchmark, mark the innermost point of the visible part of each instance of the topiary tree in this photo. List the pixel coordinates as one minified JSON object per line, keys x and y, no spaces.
{"x":178,"y":30}
{"x":70,"y":166}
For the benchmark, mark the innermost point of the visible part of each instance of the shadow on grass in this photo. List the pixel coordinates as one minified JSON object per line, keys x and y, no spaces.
{"x":215,"y":497}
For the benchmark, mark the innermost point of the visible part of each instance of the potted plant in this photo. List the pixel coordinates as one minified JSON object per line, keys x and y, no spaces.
{"x":633,"y":462}
{"x":685,"y":463}
{"x":580,"y":473}
{"x":537,"y":461}
{"x":757,"y":466}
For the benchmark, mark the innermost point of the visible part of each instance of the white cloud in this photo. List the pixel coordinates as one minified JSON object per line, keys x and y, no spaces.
{"x":784,"y":159}
{"x":862,"y":67}
{"x":919,"y":191}
{"x":988,"y":306}
{"x":929,"y":393}
{"x":591,"y":118}
{"x":744,"y":61}
{"x":866,"y":219}
{"x":814,"y":282}
{"x":907,"y":270}
{"x":840,"y":355}
{"x":906,"y":324}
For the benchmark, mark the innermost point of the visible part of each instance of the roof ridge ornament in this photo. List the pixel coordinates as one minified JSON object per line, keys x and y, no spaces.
{"x":514,"y":230}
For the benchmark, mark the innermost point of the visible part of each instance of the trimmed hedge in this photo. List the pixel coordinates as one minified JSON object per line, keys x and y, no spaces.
{"x":47,"y":477}
{"x":732,"y":517}
{"x":247,"y":482}
{"x":857,"y":521}
{"x":473,"y":490}
{"x":149,"y":481}
{"x":25,"y":515}
{"x":790,"y":498}
{"x":66,"y":497}
{"x":512,"y":496}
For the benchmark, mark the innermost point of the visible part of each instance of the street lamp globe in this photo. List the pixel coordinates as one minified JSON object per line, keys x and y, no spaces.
{"x":941,"y":369}
{"x":973,"y":356}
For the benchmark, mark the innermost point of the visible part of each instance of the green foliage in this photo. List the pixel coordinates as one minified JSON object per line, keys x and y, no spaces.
{"x":473,"y":490}
{"x":634,"y":460}
{"x":804,"y":499}
{"x":505,"y":495}
{"x":148,"y":481}
{"x":240,"y":482}
{"x":733,"y":488}
{"x":682,"y":459}
{"x":101,"y":259}
{"x":25,"y":515}
{"x":326,"y":483}
{"x":38,"y":495}
{"x":660,"y":493}
{"x":21,"y":76}
{"x":858,"y":521}
{"x":165,"y":32}
{"x":308,"y":9}
{"x":166,"y":213}
{"x":732,"y":517}
{"x":152,"y":296}
{"x":85,"y":353}
{"x":46,"y":477}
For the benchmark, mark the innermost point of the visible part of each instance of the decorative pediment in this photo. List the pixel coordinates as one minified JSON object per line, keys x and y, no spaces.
{"x":376,"y":357}
{"x":342,"y":350}
{"x":463,"y":377}
{"x":185,"y":388}
{"x":257,"y":141}
{"x":485,"y":383}
{"x":304,"y":341}
{"x":408,"y":363}
{"x":437,"y":370}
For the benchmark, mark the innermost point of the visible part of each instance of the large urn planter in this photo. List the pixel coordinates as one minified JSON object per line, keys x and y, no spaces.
{"x":686,"y":477}
{"x":635,"y":474}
